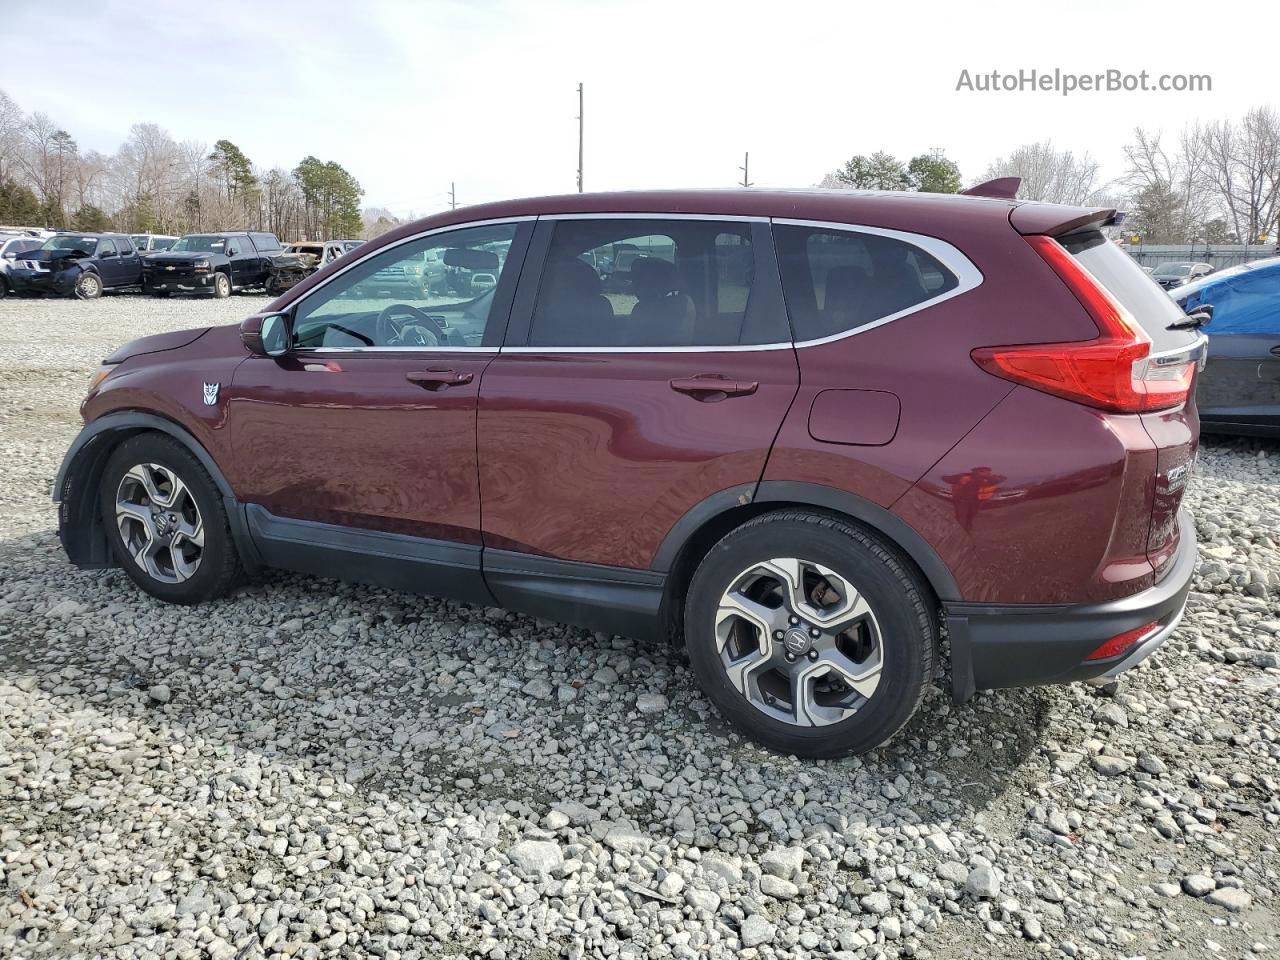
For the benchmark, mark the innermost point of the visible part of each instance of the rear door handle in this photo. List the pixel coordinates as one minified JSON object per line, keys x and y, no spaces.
{"x":438,"y":378}
{"x":1276,"y":350}
{"x":713,"y":387}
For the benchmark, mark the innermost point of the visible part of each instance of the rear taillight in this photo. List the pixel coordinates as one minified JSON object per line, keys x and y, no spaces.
{"x":1115,"y":371}
{"x":1123,"y":642}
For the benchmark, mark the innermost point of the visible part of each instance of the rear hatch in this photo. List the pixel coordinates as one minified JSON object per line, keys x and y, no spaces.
{"x":1175,"y":347}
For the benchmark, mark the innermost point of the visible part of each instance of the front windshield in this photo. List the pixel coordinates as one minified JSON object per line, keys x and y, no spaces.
{"x":200,"y":243}
{"x":67,"y":242}
{"x":1172,"y":270}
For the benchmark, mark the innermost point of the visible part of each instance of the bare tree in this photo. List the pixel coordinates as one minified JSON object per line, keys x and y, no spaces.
{"x":1055,"y":176}
{"x":12,"y":124}
{"x":1168,"y":190}
{"x":1242,"y":162}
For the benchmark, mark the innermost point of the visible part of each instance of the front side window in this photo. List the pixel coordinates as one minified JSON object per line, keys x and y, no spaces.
{"x":106,"y":248}
{"x":436,"y":291}
{"x":836,"y":281}
{"x":649,"y":283}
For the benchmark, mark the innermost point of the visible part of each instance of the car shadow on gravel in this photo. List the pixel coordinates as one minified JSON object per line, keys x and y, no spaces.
{"x":417,"y":699}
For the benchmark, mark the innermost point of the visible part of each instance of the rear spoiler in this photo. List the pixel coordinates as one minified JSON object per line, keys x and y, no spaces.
{"x":1056,"y":220}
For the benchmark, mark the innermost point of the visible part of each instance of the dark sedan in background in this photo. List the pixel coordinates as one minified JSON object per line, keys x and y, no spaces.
{"x":1239,"y":390}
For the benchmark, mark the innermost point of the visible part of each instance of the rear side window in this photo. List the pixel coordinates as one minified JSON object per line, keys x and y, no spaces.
{"x":836,"y":281}
{"x":652,"y":283}
{"x":1132,"y":288}
{"x":126,"y":247}
{"x":265,"y":241}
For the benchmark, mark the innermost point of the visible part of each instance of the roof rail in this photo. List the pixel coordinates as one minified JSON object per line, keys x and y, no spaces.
{"x":1001,"y":188}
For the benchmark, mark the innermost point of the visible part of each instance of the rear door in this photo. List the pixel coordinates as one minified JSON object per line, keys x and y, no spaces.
{"x":130,"y":262}
{"x":647,"y":368}
{"x":1175,"y":432}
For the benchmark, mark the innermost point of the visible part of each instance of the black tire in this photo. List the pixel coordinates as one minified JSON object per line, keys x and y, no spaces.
{"x":899,"y":598}
{"x":219,"y":569}
{"x":88,"y":286}
{"x":4,"y":288}
{"x":221,"y":286}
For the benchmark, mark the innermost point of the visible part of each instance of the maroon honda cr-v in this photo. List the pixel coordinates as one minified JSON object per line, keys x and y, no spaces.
{"x":805,"y":434}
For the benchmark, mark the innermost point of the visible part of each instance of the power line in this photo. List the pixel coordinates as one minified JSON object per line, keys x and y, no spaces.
{"x":746,"y":165}
{"x":580,"y":114}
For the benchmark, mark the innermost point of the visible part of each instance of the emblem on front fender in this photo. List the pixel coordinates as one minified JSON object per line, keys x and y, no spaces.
{"x":210,"y":394}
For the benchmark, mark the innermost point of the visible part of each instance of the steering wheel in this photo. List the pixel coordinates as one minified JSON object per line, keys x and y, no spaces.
{"x":420,"y":330}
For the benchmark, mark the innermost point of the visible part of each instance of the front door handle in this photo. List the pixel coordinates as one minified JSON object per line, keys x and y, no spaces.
{"x":712,"y":387}
{"x":437,"y":378}
{"x":1276,"y":350}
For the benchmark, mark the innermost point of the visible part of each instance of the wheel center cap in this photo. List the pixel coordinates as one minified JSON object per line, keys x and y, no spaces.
{"x":796,"y":641}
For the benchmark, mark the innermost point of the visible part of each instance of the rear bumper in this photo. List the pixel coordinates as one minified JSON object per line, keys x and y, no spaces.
{"x":1022,"y":645}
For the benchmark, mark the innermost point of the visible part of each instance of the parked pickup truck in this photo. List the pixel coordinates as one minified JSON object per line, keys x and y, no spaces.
{"x":80,"y":265}
{"x":215,"y":263}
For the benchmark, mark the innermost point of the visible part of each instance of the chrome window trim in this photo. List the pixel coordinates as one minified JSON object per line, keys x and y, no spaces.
{"x":728,"y":348}
{"x":308,"y":351}
{"x":969,"y":277}
{"x":377,"y":253}
{"x":729,"y":218}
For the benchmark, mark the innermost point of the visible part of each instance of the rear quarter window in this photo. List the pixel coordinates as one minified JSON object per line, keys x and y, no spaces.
{"x":836,"y":281}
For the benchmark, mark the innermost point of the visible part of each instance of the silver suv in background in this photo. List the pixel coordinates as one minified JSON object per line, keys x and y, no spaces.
{"x":12,"y":245}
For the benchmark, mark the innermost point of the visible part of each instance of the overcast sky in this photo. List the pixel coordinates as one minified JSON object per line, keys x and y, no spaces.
{"x":410,"y":96}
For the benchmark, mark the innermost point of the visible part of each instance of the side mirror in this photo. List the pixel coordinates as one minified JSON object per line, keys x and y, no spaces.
{"x":266,"y":335}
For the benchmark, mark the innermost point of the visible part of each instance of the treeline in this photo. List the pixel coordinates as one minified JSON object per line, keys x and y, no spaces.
{"x":1215,"y":182}
{"x":154,"y":184}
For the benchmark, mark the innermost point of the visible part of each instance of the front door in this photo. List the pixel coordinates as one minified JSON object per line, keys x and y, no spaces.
{"x":359,"y":446}
{"x":648,"y":368}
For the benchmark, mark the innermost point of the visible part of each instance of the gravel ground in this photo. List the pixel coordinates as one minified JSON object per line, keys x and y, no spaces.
{"x":310,"y":769}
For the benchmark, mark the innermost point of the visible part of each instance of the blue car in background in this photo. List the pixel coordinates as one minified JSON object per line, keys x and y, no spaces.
{"x":1239,"y":388}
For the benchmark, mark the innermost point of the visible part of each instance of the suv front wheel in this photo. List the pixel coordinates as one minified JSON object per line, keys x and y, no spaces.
{"x":166,"y":521}
{"x":809,"y":634}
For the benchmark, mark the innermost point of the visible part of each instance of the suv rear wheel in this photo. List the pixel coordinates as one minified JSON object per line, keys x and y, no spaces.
{"x":166,"y":521}
{"x":810,"y":634}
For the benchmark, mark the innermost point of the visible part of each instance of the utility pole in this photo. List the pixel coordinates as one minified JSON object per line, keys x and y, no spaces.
{"x":453,"y":197}
{"x":746,"y":164}
{"x":579,"y":138}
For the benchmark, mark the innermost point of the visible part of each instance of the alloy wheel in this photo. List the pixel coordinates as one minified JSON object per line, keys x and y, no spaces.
{"x":799,"y":642}
{"x":88,"y":286}
{"x":159,"y":522}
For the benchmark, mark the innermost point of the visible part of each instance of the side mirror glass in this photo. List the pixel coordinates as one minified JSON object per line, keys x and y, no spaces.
{"x":275,"y":335}
{"x":266,"y":335}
